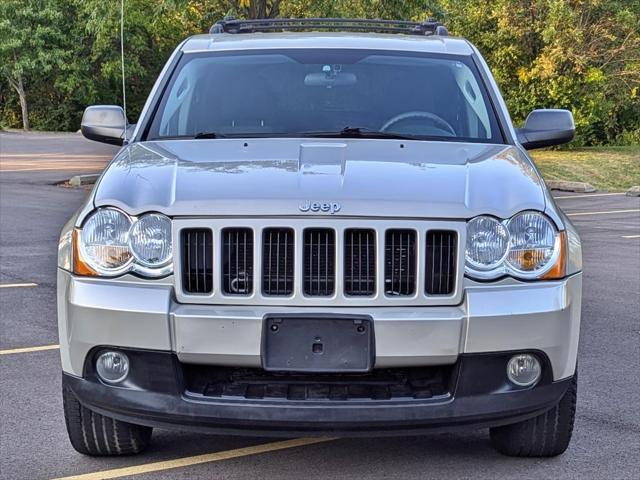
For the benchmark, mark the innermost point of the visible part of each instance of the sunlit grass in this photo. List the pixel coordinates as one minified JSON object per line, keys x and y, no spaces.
{"x":606,"y":168}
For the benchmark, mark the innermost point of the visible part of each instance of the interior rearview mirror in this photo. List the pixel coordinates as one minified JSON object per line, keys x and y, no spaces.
{"x":545,"y":128}
{"x":337,"y":79}
{"x":104,"y":123}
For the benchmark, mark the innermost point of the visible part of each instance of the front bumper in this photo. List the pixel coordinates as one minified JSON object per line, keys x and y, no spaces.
{"x":158,"y":393}
{"x":143,"y":314}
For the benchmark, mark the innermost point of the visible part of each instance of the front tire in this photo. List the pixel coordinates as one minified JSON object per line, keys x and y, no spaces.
{"x":546,"y":435}
{"x":93,"y":434}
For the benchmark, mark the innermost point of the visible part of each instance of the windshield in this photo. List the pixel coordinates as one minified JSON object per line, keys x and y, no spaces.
{"x":271,"y":93}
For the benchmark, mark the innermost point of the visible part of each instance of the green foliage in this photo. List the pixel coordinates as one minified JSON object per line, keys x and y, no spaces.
{"x":578,"y":54}
{"x":386,"y":9}
{"x":29,"y":54}
{"x":25,"y":50}
{"x":583,"y":55}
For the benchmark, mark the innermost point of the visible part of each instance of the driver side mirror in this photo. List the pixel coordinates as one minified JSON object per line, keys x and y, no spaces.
{"x":544,"y":128}
{"x":104,"y":123}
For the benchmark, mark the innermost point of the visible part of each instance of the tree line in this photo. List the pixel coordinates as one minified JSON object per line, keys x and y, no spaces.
{"x":58,"y":56}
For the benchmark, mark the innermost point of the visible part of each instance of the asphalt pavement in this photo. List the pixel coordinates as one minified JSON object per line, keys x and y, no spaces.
{"x":33,"y":440}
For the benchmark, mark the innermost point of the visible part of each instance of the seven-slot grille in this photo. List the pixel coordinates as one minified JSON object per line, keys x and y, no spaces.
{"x":400,"y":262}
{"x":313,"y":253}
{"x":360,"y":262}
{"x":319,"y":262}
{"x":197,"y":260}
{"x":278,"y":261}
{"x":440,"y":274}
{"x":237,"y":261}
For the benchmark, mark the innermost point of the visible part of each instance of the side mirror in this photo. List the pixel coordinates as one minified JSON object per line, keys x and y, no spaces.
{"x":544,"y":128}
{"x":104,"y":123}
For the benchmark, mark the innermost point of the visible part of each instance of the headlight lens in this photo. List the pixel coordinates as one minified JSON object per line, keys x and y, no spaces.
{"x":111,"y":243}
{"x":150,"y":240}
{"x":487,"y":243}
{"x":526,"y":246}
{"x":104,"y":241}
{"x":533,"y":242}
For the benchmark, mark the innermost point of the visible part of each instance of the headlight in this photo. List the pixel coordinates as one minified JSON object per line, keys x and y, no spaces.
{"x":150,"y":240}
{"x":104,"y":241}
{"x":487,"y":243}
{"x":534,"y":242}
{"x":111,"y":243}
{"x":527,"y":246}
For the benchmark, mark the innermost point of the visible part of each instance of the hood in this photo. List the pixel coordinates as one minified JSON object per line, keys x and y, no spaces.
{"x":355,"y":177}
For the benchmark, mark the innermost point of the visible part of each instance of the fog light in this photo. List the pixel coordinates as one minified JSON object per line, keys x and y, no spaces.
{"x":524,"y":370}
{"x":112,"y":367}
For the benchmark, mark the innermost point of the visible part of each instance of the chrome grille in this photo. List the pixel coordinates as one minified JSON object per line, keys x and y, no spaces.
{"x":400,"y":262}
{"x":197,"y":260}
{"x":440,"y":256}
{"x":278,"y":261}
{"x":319,"y":262}
{"x":237,"y":261}
{"x":360,"y":262}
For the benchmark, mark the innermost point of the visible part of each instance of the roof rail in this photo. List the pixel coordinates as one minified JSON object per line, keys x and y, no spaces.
{"x":233,"y":25}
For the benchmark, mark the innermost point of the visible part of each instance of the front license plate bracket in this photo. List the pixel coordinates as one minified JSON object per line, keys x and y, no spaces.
{"x":326,"y":343}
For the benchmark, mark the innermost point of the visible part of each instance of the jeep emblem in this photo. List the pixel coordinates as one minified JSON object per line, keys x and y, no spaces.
{"x":324,"y":207}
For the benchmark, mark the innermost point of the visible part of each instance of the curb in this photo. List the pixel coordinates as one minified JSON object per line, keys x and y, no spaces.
{"x":633,"y":191}
{"x":79,"y":180}
{"x":564,"y":186}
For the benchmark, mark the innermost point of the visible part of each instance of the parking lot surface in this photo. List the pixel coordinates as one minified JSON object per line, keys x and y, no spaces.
{"x":33,"y":440}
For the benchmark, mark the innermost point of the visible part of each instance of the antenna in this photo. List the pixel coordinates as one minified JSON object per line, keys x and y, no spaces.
{"x":124,"y":94}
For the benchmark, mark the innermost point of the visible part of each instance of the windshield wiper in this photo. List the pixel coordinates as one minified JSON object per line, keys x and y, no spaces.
{"x":200,"y":135}
{"x":358,"y":132}
{"x":346,"y":132}
{"x":188,"y":137}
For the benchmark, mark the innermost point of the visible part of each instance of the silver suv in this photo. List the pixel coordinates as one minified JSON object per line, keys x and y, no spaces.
{"x":321,"y":227}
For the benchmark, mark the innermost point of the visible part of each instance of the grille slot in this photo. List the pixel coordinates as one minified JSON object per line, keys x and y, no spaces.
{"x":441,"y":253}
{"x":237,"y":261}
{"x":359,"y":262}
{"x":278,"y":261}
{"x":319,"y":262}
{"x":197,"y":260}
{"x":400,"y":262}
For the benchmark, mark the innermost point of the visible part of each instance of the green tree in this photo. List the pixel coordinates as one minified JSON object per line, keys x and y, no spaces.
{"x":583,"y":55}
{"x":30,"y":45}
{"x":386,"y":9}
{"x":256,"y":8}
{"x":578,"y":54}
{"x":152,"y":30}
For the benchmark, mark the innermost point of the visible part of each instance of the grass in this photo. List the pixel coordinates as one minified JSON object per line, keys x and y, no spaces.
{"x":606,"y":168}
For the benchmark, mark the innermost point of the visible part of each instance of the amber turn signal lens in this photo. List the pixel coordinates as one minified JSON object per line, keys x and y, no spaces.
{"x":559,"y":269}
{"x":79,"y":266}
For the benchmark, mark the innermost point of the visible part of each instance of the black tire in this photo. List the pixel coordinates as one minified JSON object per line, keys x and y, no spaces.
{"x":93,"y":434}
{"x":546,"y":435}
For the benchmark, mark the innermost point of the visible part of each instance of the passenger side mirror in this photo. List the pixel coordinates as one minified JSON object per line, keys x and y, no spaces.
{"x":104,"y":123}
{"x":544,"y":128}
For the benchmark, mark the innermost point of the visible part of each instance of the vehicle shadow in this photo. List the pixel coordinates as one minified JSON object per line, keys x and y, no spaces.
{"x":468,"y":453}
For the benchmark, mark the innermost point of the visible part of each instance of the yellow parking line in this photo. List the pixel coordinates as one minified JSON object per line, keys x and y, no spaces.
{"x":580,"y":214}
{"x":591,"y":195}
{"x":18,"y":285}
{"x":29,"y":349}
{"x":196,"y":460}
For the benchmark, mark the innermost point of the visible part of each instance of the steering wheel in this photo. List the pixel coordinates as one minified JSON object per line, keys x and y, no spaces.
{"x":437,"y":121}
